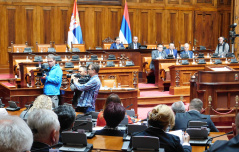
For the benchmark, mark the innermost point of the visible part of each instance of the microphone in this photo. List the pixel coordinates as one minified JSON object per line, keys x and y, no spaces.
{"x":210,"y":139}
{"x":129,"y":106}
{"x":81,"y":124}
{"x":40,"y":149}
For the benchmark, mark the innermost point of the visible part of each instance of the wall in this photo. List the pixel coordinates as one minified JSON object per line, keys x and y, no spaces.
{"x":153,"y":21}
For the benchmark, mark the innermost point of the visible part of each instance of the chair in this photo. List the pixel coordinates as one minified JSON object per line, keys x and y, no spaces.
{"x":124,"y":122}
{"x":83,"y":117}
{"x":42,"y":47}
{"x":83,"y":124}
{"x":110,"y":82}
{"x":148,"y":143}
{"x":182,"y":46}
{"x":60,"y":47}
{"x":18,"y":47}
{"x":131,"y":113}
{"x":151,"y":46}
{"x":107,"y":43}
{"x":81,"y":47}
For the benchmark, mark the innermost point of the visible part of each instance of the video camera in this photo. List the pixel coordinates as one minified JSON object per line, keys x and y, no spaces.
{"x":232,"y":33}
{"x":82,"y":79}
{"x":43,"y":70}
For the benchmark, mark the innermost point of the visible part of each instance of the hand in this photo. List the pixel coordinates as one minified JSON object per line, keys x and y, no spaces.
{"x":44,"y":76}
{"x":186,"y":138}
{"x":72,"y":76}
{"x":75,"y":80}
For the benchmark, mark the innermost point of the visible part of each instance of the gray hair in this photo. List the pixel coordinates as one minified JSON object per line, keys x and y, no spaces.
{"x":95,"y":67}
{"x":15,"y":135}
{"x":42,"y":122}
{"x":196,"y":104}
{"x":51,"y":56}
{"x":178,"y":107}
{"x":186,"y":44}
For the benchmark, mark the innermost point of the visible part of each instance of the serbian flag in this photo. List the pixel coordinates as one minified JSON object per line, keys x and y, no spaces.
{"x":125,"y":31}
{"x":75,"y":33}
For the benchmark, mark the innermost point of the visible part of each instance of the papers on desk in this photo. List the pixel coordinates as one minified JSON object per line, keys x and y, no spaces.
{"x":178,"y":133}
{"x":221,"y":69}
{"x":72,"y":148}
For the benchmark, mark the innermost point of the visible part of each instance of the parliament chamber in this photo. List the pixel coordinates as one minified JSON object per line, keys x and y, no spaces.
{"x":41,"y":25}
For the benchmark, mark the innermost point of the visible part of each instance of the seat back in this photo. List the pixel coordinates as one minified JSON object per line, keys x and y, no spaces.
{"x":60,"y":47}
{"x":151,"y":46}
{"x":106,"y":45}
{"x":110,"y":82}
{"x":18,"y":47}
{"x":146,"y":63}
{"x":81,"y":47}
{"x":42,"y":47}
{"x":131,"y":128}
{"x":145,"y":143}
{"x":131,"y":113}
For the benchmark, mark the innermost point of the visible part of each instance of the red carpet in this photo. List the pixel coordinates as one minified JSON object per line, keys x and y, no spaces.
{"x":145,"y":85}
{"x":154,"y":93}
{"x":6,"y":76}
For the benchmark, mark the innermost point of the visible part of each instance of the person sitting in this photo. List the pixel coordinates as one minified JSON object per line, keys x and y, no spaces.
{"x":117,"y":44}
{"x":134,"y":44}
{"x":41,"y":102}
{"x":194,"y":113}
{"x":114,"y":113}
{"x":171,"y":50}
{"x":186,"y":51}
{"x":15,"y":135}
{"x":45,"y":128}
{"x":157,"y":54}
{"x":160,"y":118}
{"x":111,"y":98}
{"x":231,"y":145}
{"x":178,"y":107}
{"x":66,"y":116}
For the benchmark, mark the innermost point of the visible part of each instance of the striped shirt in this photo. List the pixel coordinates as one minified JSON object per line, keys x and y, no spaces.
{"x":90,"y":91}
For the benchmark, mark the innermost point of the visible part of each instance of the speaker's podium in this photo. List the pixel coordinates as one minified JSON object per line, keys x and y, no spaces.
{"x":218,"y":81}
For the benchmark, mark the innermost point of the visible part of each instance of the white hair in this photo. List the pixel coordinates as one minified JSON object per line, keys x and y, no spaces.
{"x":42,"y":122}
{"x":186,"y":44}
{"x":178,"y":107}
{"x":15,"y":135}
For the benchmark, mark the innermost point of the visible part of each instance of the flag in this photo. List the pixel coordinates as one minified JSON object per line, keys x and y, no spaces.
{"x":75,"y":33}
{"x":125,"y":31}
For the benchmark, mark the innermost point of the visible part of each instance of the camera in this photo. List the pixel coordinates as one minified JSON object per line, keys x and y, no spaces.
{"x":43,"y":70}
{"x":82,"y":79}
{"x":232,"y":33}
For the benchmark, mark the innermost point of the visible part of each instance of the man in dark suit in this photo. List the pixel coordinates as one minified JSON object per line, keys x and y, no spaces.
{"x":228,"y":146}
{"x":157,"y":54}
{"x":117,"y":44}
{"x":186,"y":51}
{"x":171,"y":50}
{"x":195,"y":107}
{"x":134,"y":44}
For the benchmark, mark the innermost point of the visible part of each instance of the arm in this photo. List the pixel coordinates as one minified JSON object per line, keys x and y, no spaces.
{"x":153,"y":55}
{"x":57,"y":79}
{"x":226,"y":49}
{"x":82,"y":87}
{"x":112,"y":46}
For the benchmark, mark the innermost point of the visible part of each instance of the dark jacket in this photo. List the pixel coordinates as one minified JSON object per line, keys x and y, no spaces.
{"x":110,"y":132}
{"x":170,"y":143}
{"x":225,"y":146}
{"x":190,"y":54}
{"x":113,"y":46}
{"x":40,"y":147}
{"x":131,"y":45}
{"x":155,"y":55}
{"x":182,"y":119}
{"x":175,"y":52}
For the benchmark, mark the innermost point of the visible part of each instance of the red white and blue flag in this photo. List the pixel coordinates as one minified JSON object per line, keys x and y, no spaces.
{"x":125,"y":31}
{"x":75,"y":33}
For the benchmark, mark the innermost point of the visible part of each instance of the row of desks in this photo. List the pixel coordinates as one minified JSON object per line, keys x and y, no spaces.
{"x":111,"y":143}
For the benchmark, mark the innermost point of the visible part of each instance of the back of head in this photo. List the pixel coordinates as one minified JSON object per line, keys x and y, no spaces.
{"x":66,"y":116}
{"x":42,"y":122}
{"x":196,"y":104}
{"x":95,"y":67}
{"x":161,"y":116}
{"x":112,"y":98}
{"x":42,"y":102}
{"x":114,"y":113}
{"x":15,"y":135}
{"x":178,"y":107}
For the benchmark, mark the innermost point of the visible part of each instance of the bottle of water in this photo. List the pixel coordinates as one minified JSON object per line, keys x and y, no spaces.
{"x":114,"y":85}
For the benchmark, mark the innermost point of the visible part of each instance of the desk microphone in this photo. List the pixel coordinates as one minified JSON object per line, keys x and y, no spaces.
{"x":129,"y":106}
{"x":87,"y":114}
{"x":40,"y":149}
{"x":210,"y":139}
{"x":195,"y":120}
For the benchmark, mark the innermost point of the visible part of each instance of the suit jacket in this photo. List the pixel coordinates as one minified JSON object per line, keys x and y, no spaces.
{"x":113,"y":46}
{"x":175,"y":52}
{"x":170,"y":143}
{"x":155,"y":55}
{"x":40,"y":147}
{"x":182,"y":119}
{"x":110,"y":132}
{"x":131,"y":45}
{"x":225,"y":146}
{"x":190,"y":54}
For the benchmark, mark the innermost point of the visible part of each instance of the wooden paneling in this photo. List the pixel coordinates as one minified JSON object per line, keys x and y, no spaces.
{"x":153,"y":21}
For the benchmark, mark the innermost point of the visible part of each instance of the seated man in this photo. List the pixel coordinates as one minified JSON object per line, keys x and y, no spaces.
{"x":114,"y":113}
{"x":178,"y":107}
{"x":134,"y":44}
{"x":117,"y":44}
{"x":186,"y":51}
{"x":66,"y":116}
{"x":195,"y":107}
{"x":45,"y":128}
{"x":171,"y":50}
{"x":157,"y":54}
{"x":15,"y":135}
{"x":222,"y":48}
{"x":227,"y":146}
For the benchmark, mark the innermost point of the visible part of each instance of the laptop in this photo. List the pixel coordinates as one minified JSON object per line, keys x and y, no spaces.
{"x":75,"y":142}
